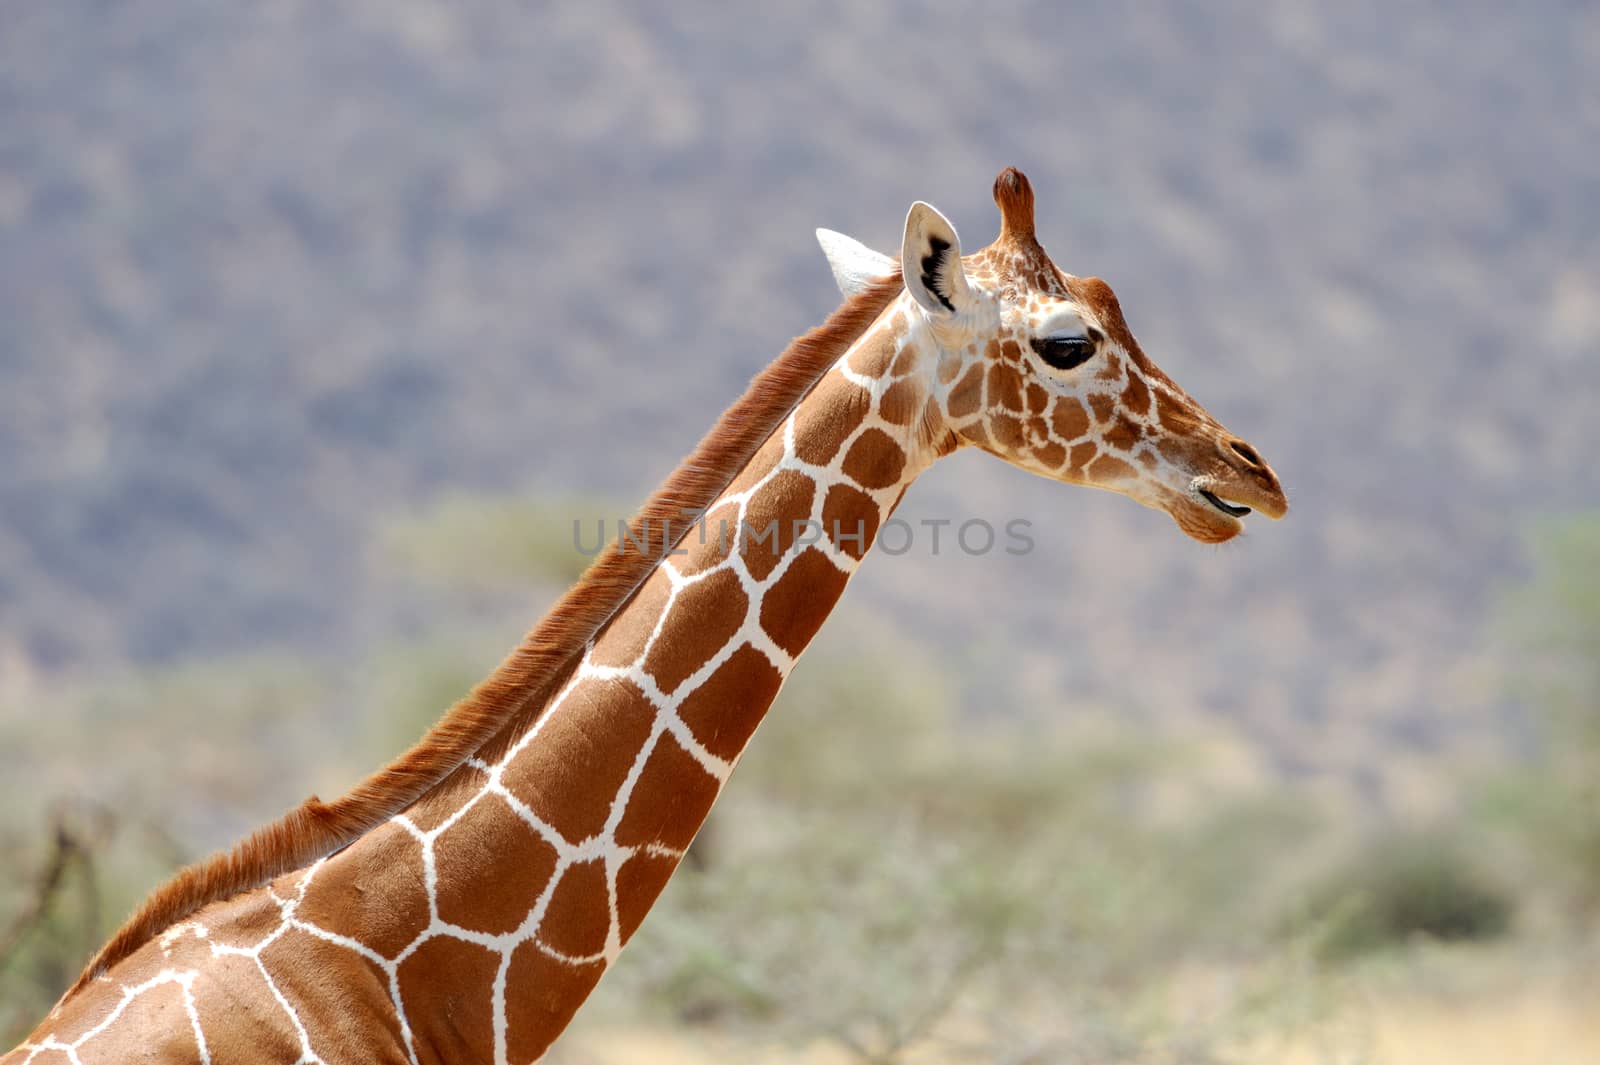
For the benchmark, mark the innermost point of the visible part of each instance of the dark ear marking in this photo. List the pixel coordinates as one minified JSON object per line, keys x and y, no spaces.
{"x":931,"y":253}
{"x":932,"y":263}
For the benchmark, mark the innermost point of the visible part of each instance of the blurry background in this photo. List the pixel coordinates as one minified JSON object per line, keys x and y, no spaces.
{"x":320,"y":322}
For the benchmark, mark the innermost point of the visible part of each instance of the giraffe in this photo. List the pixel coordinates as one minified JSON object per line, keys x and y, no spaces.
{"x":461,"y":903}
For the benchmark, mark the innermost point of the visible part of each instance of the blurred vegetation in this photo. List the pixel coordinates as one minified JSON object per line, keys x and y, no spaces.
{"x":1553,"y":808}
{"x":66,"y":888}
{"x":166,"y":763}
{"x":1401,"y":886}
{"x":466,"y":544}
{"x":885,"y":876}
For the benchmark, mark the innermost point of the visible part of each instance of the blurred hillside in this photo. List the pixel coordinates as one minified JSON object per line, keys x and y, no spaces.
{"x":273,"y":278}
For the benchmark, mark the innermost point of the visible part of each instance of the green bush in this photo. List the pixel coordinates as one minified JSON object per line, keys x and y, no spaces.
{"x":1401,"y":886}
{"x":1553,"y":808}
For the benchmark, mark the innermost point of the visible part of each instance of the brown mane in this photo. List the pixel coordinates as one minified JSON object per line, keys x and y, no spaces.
{"x":527,"y":677}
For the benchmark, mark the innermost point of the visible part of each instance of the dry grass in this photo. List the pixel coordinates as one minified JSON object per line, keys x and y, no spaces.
{"x":1542,"y":1025}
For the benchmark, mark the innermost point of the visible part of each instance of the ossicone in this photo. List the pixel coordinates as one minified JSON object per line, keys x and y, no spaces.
{"x":1014,"y":196}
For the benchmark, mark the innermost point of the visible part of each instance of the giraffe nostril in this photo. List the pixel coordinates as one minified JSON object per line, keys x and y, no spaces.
{"x":1246,"y":452}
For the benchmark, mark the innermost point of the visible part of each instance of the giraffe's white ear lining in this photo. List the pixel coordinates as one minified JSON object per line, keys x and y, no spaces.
{"x":855,"y":266}
{"x":931,"y":256}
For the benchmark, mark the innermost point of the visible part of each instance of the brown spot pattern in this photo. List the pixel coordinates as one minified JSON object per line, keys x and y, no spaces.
{"x":821,"y":428}
{"x":904,"y":362}
{"x":493,"y":847}
{"x":1124,"y":434}
{"x":874,"y":460}
{"x":1051,"y":456}
{"x":579,"y":915}
{"x":638,"y":884}
{"x":448,"y":983}
{"x":793,"y":609}
{"x":374,"y":894}
{"x":317,"y":976}
{"x":671,"y":798}
{"x":704,"y":618}
{"x":967,"y":396}
{"x":1007,"y":431}
{"x":256,"y":1032}
{"x":724,"y":711}
{"x":158,"y":1010}
{"x":770,"y":528}
{"x":716,"y":528}
{"x":1174,"y":419}
{"x":901,"y":401}
{"x":1005,"y":387}
{"x":1069,"y":419}
{"x":1108,"y":468}
{"x":542,"y":994}
{"x":1136,"y":396}
{"x":584,"y":752}
{"x":850,"y":518}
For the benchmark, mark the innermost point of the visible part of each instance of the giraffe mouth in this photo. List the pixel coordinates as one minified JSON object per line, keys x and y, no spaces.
{"x":1227,"y":508}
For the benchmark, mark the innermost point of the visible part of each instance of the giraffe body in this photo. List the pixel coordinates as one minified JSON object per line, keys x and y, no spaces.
{"x":471,"y":921}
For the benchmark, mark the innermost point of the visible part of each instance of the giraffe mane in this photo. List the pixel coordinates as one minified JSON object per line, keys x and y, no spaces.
{"x":530,"y":674}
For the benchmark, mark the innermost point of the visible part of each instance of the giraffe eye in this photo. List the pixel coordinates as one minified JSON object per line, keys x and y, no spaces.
{"x":1064,"y":353}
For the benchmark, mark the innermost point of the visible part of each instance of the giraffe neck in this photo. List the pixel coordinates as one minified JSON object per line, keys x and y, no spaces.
{"x":562,"y":843}
{"x":473,"y":924}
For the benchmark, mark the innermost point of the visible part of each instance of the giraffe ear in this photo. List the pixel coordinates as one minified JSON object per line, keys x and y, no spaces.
{"x":855,"y":266}
{"x":931,"y":259}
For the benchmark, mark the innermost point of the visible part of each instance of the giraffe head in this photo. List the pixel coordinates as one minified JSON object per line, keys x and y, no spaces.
{"x":1039,"y":367}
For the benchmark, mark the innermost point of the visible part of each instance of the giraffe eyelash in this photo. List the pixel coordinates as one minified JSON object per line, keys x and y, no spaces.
{"x":1064,"y":353}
